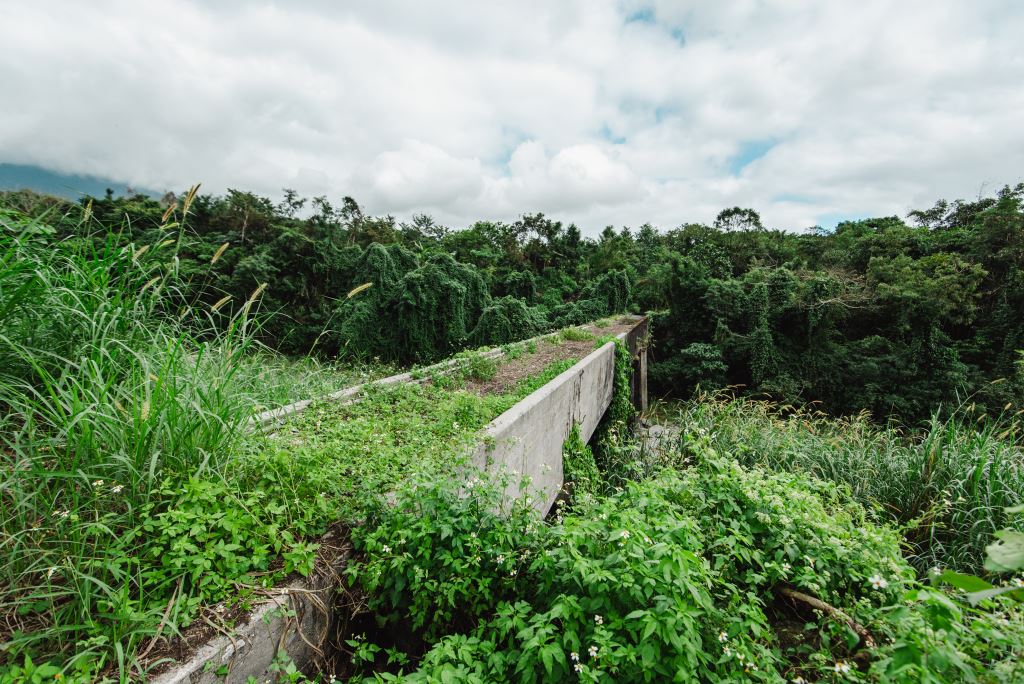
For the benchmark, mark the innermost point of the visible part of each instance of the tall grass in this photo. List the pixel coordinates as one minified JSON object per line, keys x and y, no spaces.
{"x":110,"y":386}
{"x":947,"y":484}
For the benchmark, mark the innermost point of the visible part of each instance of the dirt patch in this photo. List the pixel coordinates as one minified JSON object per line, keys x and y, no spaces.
{"x":512,"y":371}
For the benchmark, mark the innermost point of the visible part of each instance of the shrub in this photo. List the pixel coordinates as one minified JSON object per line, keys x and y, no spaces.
{"x":948,"y":484}
{"x":507,"y":319}
{"x":691,"y":575}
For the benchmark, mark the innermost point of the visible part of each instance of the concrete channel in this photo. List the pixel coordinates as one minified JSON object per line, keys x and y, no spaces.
{"x":526,"y":440}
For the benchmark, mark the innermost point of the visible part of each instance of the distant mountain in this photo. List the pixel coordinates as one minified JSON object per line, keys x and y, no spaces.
{"x":70,"y":186}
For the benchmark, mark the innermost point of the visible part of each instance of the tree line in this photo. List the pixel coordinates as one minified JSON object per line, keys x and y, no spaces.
{"x":895,"y":316}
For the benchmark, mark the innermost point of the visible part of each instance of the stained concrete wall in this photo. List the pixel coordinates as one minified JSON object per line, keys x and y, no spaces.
{"x":527,"y":439}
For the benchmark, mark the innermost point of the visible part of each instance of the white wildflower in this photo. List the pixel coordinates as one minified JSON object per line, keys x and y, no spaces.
{"x":598,"y":620}
{"x":97,"y":483}
{"x":592,"y":651}
{"x":116,"y":489}
{"x":1017,"y":582}
{"x":723,"y":637}
{"x":786,"y":567}
{"x":878,"y":582}
{"x":842,"y":667}
{"x":386,"y":548}
{"x":575,"y":657}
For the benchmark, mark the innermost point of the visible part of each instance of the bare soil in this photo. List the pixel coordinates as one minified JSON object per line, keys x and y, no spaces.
{"x":512,"y":371}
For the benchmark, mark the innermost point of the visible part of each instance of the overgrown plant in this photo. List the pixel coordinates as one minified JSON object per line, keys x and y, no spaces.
{"x":710,"y":573}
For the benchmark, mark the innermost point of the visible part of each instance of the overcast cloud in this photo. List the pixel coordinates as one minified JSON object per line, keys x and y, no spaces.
{"x":593,"y":112}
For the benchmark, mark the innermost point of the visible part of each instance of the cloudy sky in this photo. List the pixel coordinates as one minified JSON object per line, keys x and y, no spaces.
{"x":593,"y":112}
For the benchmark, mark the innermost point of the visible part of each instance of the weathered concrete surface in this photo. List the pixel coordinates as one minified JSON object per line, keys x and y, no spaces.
{"x":526,"y":441}
{"x":527,"y":438}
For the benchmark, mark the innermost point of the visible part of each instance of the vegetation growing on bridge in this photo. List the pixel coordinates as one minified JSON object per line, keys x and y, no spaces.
{"x":137,"y":338}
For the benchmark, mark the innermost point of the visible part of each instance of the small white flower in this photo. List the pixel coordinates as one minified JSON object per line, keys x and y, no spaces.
{"x":116,"y":489}
{"x":63,"y":514}
{"x":49,"y":573}
{"x":786,"y":567}
{"x":97,"y":483}
{"x":575,"y":657}
{"x":625,"y":534}
{"x":936,"y":570}
{"x":727,"y":651}
{"x":598,"y":620}
{"x":501,"y":559}
{"x":723,"y":637}
{"x":842,"y":667}
{"x":878,"y":582}
{"x":386,"y":548}
{"x":647,"y":540}
{"x":1017,"y":582}
{"x":578,"y":667}
{"x":592,"y":651}
{"x":799,"y":680}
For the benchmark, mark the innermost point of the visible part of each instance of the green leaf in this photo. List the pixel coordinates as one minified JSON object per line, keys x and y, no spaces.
{"x":1007,"y":554}
{"x":977,"y":597}
{"x":964,"y":582}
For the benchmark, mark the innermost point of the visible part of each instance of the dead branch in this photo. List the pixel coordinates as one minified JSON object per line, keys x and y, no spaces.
{"x":831,"y":611}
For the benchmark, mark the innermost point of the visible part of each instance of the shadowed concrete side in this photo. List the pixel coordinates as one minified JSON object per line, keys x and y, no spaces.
{"x":526,"y":441}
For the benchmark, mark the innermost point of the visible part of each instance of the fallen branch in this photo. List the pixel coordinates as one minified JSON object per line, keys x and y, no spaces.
{"x":831,"y":611}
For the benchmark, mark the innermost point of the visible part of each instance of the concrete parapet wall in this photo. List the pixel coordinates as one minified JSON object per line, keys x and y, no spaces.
{"x":527,"y":439}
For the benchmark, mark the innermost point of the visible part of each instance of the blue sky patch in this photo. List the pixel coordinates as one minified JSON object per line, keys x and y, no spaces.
{"x":749,"y":151}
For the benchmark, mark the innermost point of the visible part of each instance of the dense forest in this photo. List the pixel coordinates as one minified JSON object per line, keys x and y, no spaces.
{"x":900,"y":318}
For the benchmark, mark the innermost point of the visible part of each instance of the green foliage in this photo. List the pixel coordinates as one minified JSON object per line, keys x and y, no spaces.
{"x":120,"y":399}
{"x":948,"y":485}
{"x":576,"y":334}
{"x":507,"y":319}
{"x":611,"y":290}
{"x":682,"y":576}
{"x":578,"y":466}
{"x":200,"y":535}
{"x":435,"y":309}
{"x":613,"y":458}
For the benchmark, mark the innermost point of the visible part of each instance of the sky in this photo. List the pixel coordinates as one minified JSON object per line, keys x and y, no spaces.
{"x":593,"y":112}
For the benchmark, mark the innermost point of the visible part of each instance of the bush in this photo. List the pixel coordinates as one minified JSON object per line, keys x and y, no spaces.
{"x":697,"y":575}
{"x":507,"y":319}
{"x":948,"y":484}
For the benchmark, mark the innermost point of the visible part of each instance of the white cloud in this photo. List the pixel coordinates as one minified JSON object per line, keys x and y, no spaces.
{"x":593,"y":112}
